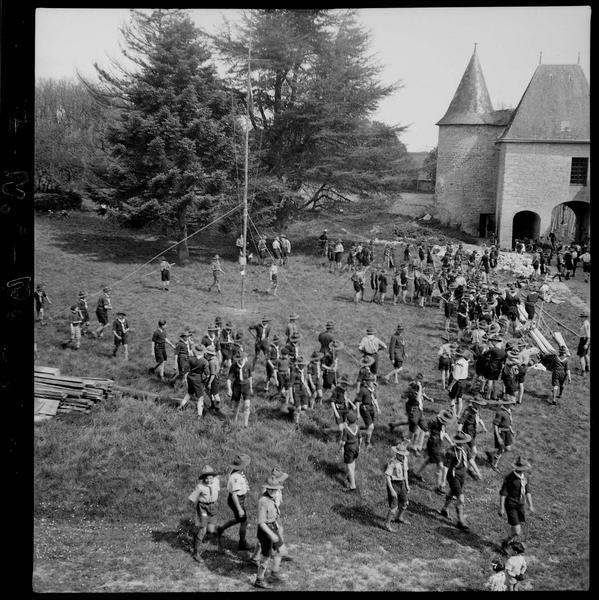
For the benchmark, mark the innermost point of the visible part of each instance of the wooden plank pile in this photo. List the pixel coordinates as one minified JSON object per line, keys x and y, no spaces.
{"x":58,"y":394}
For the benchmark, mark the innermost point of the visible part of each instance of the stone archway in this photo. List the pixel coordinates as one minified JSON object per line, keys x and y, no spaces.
{"x":526,"y":224}
{"x":570,"y":221}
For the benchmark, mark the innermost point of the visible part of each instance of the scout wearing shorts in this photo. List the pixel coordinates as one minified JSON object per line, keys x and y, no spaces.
{"x":584,"y":343}
{"x":515,"y":493}
{"x":226,"y":345}
{"x":326,"y":337}
{"x":237,"y":487}
{"x":367,"y":407}
{"x":165,"y":273}
{"x":300,"y":392}
{"x":41,"y":299}
{"x":459,"y":374}
{"x":397,"y":353}
{"x":76,"y":319}
{"x":159,"y":342}
{"x":102,"y":309}
{"x":560,"y":372}
{"x":329,"y":366}
{"x":314,"y":378}
{"x":503,"y":430}
{"x":272,"y":358}
{"x":283,"y":376}
{"x":340,"y":406}
{"x":398,"y":487}
{"x":434,"y":448}
{"x":216,"y":271}
{"x":196,"y":377}
{"x":445,"y":358}
{"x":239,"y":386}
{"x":457,"y":460}
{"x":212,"y":384}
{"x":182,"y":357}
{"x":269,"y":526}
{"x":292,"y":327}
{"x":120,"y":331}
{"x":84,"y":310}
{"x":468,"y":422}
{"x":364,"y":371}
{"x":416,"y":423}
{"x":349,"y":446}
{"x":203,"y":499}
{"x":261,"y":332}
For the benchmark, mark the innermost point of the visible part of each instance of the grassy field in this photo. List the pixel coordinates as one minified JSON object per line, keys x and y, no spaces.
{"x":111,"y":487}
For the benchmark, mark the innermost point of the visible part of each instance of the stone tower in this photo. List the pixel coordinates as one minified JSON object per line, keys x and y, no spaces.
{"x":467,"y":160}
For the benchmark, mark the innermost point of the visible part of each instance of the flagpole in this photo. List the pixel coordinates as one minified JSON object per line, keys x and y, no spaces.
{"x":245,"y":186}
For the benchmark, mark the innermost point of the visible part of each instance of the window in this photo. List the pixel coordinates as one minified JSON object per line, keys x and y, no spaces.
{"x":579,"y":171}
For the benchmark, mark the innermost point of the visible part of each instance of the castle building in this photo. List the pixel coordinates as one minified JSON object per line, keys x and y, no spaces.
{"x":518,"y":173}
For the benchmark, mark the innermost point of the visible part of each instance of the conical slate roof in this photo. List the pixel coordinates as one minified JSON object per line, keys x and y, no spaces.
{"x":555,"y":106}
{"x":471,"y":104}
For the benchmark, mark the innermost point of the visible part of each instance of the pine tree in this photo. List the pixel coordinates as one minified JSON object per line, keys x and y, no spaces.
{"x":171,"y":148}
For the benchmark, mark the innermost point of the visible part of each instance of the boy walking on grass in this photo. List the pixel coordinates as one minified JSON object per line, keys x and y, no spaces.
{"x":182,"y":357}
{"x":165,"y":273}
{"x":76,"y":321}
{"x":83,"y":309}
{"x":120,"y":330}
{"x":398,"y":487}
{"x":41,"y":299}
{"x":367,"y":407}
{"x":159,"y":341}
{"x":560,"y":371}
{"x":102,"y":309}
{"x":216,"y":271}
{"x":203,"y":499}
{"x":349,"y":446}
{"x":397,"y":353}
{"x":239,"y":386}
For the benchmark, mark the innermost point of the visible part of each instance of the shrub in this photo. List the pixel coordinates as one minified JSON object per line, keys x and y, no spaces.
{"x":65,"y":200}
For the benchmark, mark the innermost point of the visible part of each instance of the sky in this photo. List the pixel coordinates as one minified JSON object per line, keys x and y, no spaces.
{"x":427,"y":49}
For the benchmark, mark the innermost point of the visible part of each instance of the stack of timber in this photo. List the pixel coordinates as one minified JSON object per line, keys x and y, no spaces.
{"x":58,"y":394}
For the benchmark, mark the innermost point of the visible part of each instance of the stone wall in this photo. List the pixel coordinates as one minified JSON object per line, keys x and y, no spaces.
{"x":467,"y":165}
{"x":536,"y":177}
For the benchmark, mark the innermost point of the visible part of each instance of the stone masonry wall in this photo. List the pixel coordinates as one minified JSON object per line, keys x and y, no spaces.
{"x":467,"y":166}
{"x":535,"y":177}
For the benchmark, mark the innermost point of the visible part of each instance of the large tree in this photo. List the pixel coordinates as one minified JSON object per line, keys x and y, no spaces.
{"x":314,"y":89}
{"x":171,"y":148}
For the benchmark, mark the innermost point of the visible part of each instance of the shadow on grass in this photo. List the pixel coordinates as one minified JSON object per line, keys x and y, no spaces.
{"x":359,"y":512}
{"x":180,"y":539}
{"x":470,"y":538}
{"x":334,"y":470}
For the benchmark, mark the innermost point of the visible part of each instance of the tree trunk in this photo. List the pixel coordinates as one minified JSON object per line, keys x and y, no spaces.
{"x":182,"y":248}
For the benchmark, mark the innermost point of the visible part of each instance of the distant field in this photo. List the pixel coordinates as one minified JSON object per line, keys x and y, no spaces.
{"x":111,"y":487}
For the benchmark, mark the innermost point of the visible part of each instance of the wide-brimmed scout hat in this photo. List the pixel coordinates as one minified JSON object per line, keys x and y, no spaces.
{"x":330,"y":325}
{"x":521,"y":464}
{"x":295,"y":337}
{"x":461,"y":438}
{"x":73,"y":307}
{"x":265,"y":319}
{"x":240,"y":356}
{"x":210,"y":349}
{"x":206,"y":471}
{"x":366,"y":360}
{"x":316,"y":355}
{"x":446,"y":416}
{"x":211,"y":328}
{"x":400,"y":327}
{"x":272,"y":484}
{"x":278,"y":474}
{"x":276,"y":337}
{"x":200,"y":348}
{"x":238,"y":336}
{"x":161,"y":323}
{"x":562,"y":350}
{"x":513,"y":354}
{"x":82,"y":294}
{"x":228,"y":325}
{"x":184,"y":334}
{"x":462,"y":352}
{"x":369,"y":330}
{"x":517,"y":546}
{"x":293,"y":316}
{"x":218,"y":321}
{"x":106,"y":289}
{"x":121,"y":314}
{"x":351,"y":417}
{"x":284,"y":351}
{"x":241,"y":461}
{"x":400,"y":448}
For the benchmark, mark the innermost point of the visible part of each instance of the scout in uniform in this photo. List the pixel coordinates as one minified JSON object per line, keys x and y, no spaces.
{"x":495,"y":358}
{"x":285,"y":249}
{"x":459,"y":373}
{"x":397,"y":353}
{"x":398,"y":487}
{"x":76,"y":319}
{"x":340,"y":407}
{"x":212,"y":384}
{"x":261,"y":332}
{"x":434,"y":448}
{"x":84,"y":310}
{"x":314,"y":378}
{"x":367,"y":407}
{"x":203,"y":499}
{"x":238,"y":343}
{"x":445,"y":358}
{"x":216,"y":271}
{"x":457,"y":460}
{"x":41,"y":299}
{"x":560,"y":371}
{"x":369,"y":346}
{"x":364,"y":371}
{"x":102,"y":309}
{"x":329,"y":365}
{"x":293,"y":347}
{"x":292,"y":327}
{"x":515,"y":566}
{"x":182,"y":357}
{"x":239,"y":386}
{"x":300,"y":392}
{"x":326,"y":337}
{"x":269,"y":527}
{"x":276,"y":249}
{"x":468,"y":422}
{"x":226,"y":345}
{"x":262,"y":250}
{"x":283,"y":377}
{"x":272,"y":358}
{"x":211,"y":338}
{"x":416,"y":424}
{"x":515,"y":493}
{"x":511,"y":374}
{"x":196,"y":376}
{"x":159,"y":342}
{"x":358,"y":282}
{"x":382,"y":286}
{"x":462,"y":318}
{"x":237,"y":488}
{"x":349,"y":446}
{"x":165,"y":273}
{"x":120,"y":331}
{"x":584,"y":343}
{"x":503,"y":430}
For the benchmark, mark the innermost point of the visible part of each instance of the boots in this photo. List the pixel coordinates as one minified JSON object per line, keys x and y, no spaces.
{"x":460,"y":524}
